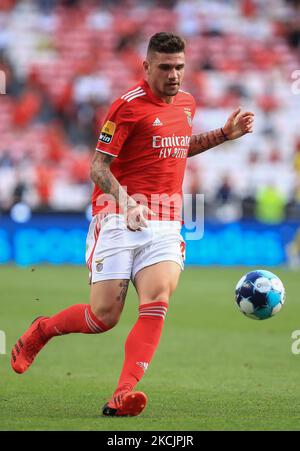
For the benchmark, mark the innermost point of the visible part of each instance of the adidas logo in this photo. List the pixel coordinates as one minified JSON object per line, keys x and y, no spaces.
{"x":157,"y":122}
{"x":143,"y":365}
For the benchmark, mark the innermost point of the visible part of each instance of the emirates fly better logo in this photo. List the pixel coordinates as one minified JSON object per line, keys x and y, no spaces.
{"x":171,"y":146}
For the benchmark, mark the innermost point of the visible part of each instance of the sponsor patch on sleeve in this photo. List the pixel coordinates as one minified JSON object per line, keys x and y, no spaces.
{"x":107,"y":132}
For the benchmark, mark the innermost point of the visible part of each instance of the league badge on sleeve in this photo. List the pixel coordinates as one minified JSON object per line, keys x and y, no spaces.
{"x":107,"y":132}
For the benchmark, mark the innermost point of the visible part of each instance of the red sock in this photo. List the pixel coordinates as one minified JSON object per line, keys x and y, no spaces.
{"x":142,"y":342}
{"x":78,"y":318}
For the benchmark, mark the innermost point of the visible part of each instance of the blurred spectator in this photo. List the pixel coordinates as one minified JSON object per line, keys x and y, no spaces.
{"x":227,"y":204}
{"x":27,"y":108}
{"x":46,"y":6}
{"x":275,"y":155}
{"x":293,"y":31}
{"x":248,"y":8}
{"x":19,"y":192}
{"x":293,"y":206}
{"x":92,"y":87}
{"x":248,"y":205}
{"x":7,"y":5}
{"x":253,"y":157}
{"x":44,"y":184}
{"x":6,"y":160}
{"x":270,"y":205}
{"x":225,"y":192}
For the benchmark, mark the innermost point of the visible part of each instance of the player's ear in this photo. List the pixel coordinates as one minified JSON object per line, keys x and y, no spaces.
{"x":146,"y":66}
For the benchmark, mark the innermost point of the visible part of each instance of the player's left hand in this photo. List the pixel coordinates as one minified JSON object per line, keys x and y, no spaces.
{"x":239,"y":124}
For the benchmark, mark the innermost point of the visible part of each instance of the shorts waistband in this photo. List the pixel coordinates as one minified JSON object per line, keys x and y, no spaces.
{"x":152,"y":223}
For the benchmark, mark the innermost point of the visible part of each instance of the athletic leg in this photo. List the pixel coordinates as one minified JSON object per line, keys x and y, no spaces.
{"x":106,"y":304}
{"x":110,"y":273}
{"x":154,"y":285}
{"x":102,"y":314}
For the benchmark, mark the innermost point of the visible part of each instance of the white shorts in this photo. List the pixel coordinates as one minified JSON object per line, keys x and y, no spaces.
{"x":114,"y":252}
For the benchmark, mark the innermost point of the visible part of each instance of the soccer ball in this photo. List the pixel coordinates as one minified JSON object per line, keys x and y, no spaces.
{"x":259,"y":294}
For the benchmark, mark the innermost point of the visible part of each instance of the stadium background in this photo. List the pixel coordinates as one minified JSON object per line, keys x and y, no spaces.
{"x":64,"y":62}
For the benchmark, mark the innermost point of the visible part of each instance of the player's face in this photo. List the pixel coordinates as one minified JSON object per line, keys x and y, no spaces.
{"x":165,"y":73}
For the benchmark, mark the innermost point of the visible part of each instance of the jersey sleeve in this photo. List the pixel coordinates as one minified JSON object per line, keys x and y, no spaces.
{"x":118,"y":125}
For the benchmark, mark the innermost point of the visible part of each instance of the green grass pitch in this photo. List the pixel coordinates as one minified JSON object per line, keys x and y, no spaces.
{"x":214,"y":368}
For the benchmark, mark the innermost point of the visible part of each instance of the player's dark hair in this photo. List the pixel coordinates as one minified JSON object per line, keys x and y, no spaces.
{"x":166,"y":43}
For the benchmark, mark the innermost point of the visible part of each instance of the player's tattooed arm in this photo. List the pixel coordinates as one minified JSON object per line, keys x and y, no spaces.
{"x":238,"y":124}
{"x":204,"y":141}
{"x":103,"y":177}
{"x":134,"y":213}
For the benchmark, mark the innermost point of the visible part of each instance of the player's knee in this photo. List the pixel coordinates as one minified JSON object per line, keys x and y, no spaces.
{"x":109,"y":316}
{"x":155,"y":296}
{"x":160,"y":293}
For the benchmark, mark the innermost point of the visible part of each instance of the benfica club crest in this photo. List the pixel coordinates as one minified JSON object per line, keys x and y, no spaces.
{"x":189,"y":117}
{"x":99,"y":265}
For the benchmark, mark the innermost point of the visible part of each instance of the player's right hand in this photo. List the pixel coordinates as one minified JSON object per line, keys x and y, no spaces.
{"x":136,"y":217}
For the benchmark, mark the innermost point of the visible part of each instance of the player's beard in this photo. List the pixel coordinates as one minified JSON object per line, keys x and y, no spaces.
{"x":171,"y":90}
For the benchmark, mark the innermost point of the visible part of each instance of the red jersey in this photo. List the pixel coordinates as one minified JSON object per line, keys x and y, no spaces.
{"x":149,"y":140}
